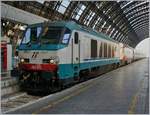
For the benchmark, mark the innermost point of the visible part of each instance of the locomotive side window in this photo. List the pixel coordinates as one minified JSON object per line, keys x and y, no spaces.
{"x":93,"y":48}
{"x":66,"y":36}
{"x":26,"y":38}
{"x":76,"y":38}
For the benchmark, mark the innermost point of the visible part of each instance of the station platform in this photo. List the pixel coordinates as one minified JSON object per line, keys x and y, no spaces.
{"x":121,"y":91}
{"x":9,"y":84}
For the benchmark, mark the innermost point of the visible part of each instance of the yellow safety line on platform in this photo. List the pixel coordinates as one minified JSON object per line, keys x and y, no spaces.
{"x":61,"y":100}
{"x":133,"y":104}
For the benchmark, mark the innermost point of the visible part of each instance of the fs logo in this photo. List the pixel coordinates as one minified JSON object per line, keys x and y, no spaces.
{"x":34,"y":55}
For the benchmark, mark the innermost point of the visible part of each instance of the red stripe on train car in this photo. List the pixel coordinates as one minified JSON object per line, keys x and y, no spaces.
{"x":4,"y":48}
{"x":38,"y":67}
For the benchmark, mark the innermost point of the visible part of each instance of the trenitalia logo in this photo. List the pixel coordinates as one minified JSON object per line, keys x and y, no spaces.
{"x":34,"y":55}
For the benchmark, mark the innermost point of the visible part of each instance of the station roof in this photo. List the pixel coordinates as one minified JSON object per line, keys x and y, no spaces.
{"x":124,"y":21}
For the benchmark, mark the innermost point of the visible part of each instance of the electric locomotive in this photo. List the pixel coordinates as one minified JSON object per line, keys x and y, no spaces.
{"x":54,"y":54}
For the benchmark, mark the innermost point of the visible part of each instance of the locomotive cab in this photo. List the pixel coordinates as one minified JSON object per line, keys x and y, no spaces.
{"x":39,"y":56}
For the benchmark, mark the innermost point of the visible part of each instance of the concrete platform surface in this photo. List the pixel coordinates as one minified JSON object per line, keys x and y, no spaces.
{"x":121,"y":91}
{"x":9,"y":85}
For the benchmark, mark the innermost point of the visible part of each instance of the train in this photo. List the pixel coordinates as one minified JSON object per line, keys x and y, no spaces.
{"x":58,"y":53}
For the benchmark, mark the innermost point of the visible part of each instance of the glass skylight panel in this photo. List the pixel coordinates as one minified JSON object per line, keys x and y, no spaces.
{"x":118,"y":0}
{"x":137,"y":18}
{"x":91,"y":18}
{"x":104,"y":11}
{"x":62,"y":9}
{"x":115,"y":33}
{"x":122,"y":4}
{"x":83,"y":7}
{"x":137,"y":15}
{"x":118,"y":35}
{"x":65,"y":3}
{"x":63,"y":6}
{"x":96,"y":22}
{"x":121,"y":26}
{"x":40,"y":1}
{"x":135,"y":6}
{"x":121,"y":36}
{"x":130,"y":13}
{"x":100,"y":20}
{"x":87,"y":18}
{"x":77,"y":17}
{"x":99,"y":5}
{"x":137,"y":10}
{"x":108,"y":28}
{"x":111,"y":31}
{"x":103,"y":24}
{"x":108,"y":10}
{"x":126,"y":4}
{"x":79,"y":12}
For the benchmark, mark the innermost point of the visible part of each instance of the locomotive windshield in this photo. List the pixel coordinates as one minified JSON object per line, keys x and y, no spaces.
{"x":46,"y":35}
{"x":31,"y":35}
{"x":55,"y":35}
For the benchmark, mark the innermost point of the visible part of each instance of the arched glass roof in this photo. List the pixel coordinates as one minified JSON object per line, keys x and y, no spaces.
{"x":124,"y":21}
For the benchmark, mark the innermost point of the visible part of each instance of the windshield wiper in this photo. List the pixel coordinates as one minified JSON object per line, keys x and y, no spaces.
{"x":29,"y":44}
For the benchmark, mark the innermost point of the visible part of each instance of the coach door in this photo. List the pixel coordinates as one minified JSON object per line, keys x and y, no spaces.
{"x":76,"y":53}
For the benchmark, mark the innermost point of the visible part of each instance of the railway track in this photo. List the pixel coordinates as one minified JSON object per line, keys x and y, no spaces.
{"x":17,"y":101}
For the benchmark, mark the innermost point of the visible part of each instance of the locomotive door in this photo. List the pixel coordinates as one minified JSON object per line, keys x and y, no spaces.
{"x":76,"y":54}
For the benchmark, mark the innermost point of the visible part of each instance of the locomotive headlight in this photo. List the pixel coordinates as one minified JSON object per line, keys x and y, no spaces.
{"x":22,"y":60}
{"x":52,"y":61}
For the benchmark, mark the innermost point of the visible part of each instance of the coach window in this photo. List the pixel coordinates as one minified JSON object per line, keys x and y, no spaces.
{"x":113,"y":52}
{"x":105,"y":50}
{"x":101,"y":50}
{"x":76,"y":37}
{"x":93,"y":48}
{"x":109,"y":51}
